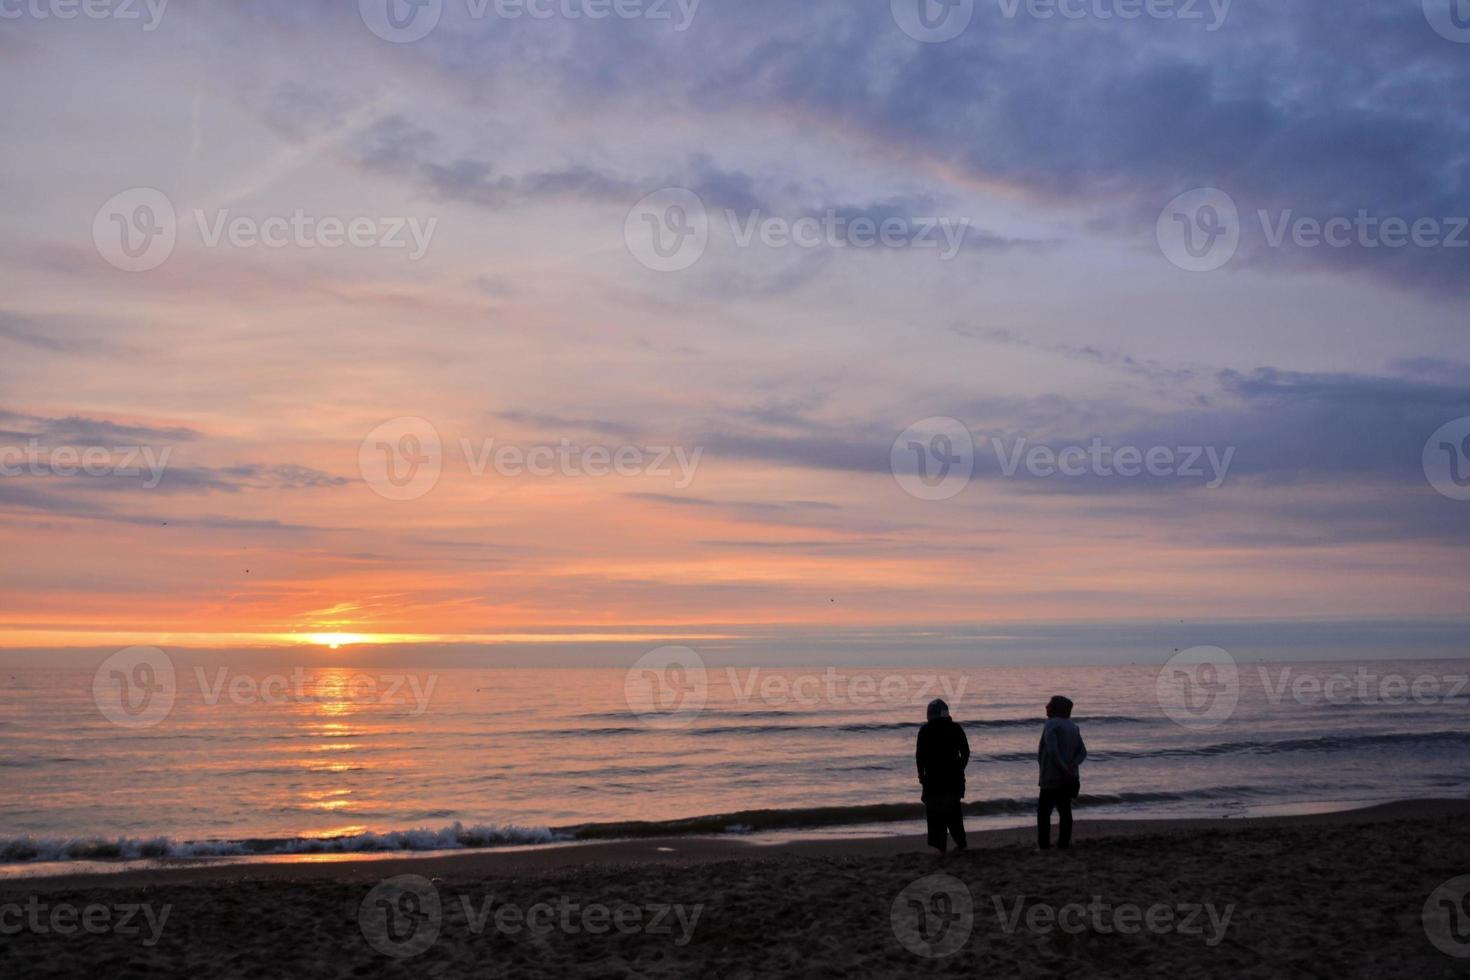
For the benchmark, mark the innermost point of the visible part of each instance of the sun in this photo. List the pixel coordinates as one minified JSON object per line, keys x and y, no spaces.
{"x":335,"y":641}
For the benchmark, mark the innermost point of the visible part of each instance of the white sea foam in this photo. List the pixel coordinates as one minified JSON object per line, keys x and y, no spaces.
{"x":453,"y":837}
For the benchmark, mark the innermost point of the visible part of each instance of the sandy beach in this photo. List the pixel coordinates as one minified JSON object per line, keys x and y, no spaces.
{"x":1339,"y":895}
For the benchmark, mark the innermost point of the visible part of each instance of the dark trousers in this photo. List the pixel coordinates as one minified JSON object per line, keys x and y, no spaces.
{"x":1061,"y":801}
{"x":945,"y":819}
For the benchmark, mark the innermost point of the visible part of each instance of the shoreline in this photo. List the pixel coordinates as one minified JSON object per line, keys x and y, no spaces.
{"x":26,"y":857}
{"x":675,"y":851}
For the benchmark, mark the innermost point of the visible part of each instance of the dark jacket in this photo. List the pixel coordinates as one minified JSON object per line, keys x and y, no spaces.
{"x":1061,"y":754}
{"x":941,"y":754}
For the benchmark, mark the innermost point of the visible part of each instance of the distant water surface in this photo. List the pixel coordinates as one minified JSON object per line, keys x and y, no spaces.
{"x":521,"y":756}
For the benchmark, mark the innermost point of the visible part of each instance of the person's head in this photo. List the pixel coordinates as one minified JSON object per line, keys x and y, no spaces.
{"x":1059,"y":707}
{"x":938,"y":709}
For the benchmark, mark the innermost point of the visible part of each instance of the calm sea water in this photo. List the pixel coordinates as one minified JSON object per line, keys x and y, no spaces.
{"x":524,"y":755}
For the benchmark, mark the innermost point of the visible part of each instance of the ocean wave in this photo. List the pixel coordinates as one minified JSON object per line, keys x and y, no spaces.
{"x":457,"y":836}
{"x":1322,"y":743}
{"x":799,"y":818}
{"x":852,"y":727}
{"x":454,"y":837}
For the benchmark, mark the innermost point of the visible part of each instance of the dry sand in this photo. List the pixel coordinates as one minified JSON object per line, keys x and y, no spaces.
{"x":1334,"y":895}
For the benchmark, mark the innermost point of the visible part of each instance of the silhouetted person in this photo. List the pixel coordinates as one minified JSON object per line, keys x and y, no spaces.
{"x":941,"y":754}
{"x":1061,"y":755}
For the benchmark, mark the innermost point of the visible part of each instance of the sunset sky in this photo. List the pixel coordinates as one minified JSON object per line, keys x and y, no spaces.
{"x":786,"y":371}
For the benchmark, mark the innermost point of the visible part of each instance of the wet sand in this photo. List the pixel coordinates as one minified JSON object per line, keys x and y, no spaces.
{"x":1338,"y":895}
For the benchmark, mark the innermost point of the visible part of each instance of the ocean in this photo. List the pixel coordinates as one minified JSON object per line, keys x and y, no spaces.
{"x":322,"y":759}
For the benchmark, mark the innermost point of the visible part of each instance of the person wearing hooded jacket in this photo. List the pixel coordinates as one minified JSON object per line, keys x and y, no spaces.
{"x":942,"y":752}
{"x":1060,"y":755}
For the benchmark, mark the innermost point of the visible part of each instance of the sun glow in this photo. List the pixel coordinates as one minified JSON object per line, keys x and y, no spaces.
{"x":337,"y":640}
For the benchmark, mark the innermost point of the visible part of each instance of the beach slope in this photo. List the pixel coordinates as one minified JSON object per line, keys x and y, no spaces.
{"x":1340,"y":895}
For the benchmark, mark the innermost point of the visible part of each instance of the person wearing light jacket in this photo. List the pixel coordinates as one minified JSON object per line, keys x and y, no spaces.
{"x":1060,"y":756}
